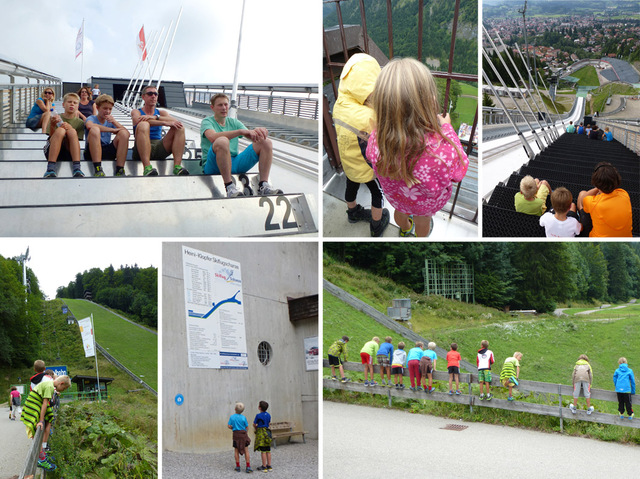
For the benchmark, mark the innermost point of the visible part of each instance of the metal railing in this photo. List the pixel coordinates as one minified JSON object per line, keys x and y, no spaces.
{"x":291,"y":100}
{"x":626,"y":132}
{"x":333,"y":67}
{"x":16,"y":99}
{"x":469,"y":398}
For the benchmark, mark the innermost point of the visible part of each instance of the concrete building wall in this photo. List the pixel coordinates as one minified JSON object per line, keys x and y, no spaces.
{"x":271,"y":273}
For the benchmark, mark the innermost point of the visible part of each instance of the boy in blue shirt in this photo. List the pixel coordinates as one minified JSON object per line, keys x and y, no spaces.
{"x":427,"y":366}
{"x":239,"y":425}
{"x":385,"y":353}
{"x":625,"y":384}
{"x":263,"y":436}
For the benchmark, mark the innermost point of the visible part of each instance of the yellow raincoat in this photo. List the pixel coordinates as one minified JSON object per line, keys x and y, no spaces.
{"x":357,"y":81}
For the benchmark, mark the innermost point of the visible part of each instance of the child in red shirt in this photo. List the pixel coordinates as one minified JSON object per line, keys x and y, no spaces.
{"x":453,"y":366}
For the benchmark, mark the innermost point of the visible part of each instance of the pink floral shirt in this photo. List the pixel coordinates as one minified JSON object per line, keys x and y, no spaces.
{"x":435,"y":171}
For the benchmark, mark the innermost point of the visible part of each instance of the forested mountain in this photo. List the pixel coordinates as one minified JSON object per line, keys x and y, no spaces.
{"x":20,"y":314}
{"x":518,"y":275}
{"x":437,"y":22}
{"x":130,"y":289}
{"x":599,"y":8}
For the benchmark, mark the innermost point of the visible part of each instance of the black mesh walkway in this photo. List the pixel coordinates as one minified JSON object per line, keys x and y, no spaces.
{"x":568,"y":162}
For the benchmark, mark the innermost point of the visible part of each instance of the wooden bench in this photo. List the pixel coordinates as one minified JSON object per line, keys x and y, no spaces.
{"x":284,"y":429}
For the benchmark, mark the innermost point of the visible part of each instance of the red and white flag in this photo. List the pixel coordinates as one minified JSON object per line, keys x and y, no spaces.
{"x":142,"y":44}
{"x":79,"y":41}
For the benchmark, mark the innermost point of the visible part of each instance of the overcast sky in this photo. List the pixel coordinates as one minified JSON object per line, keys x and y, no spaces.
{"x":56,"y":262}
{"x":281,"y":41}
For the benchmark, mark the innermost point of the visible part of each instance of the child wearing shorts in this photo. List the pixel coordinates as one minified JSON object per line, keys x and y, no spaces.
{"x":453,"y":367}
{"x":367,"y":353}
{"x":427,"y":366}
{"x":397,"y":365}
{"x":384,"y":360}
{"x":240,"y":426}
{"x":263,"y":436}
{"x":582,"y":377}
{"x":484,"y":361}
{"x":510,"y":373}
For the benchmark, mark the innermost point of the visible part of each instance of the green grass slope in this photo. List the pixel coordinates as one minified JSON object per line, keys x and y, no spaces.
{"x":587,"y":75}
{"x":133,"y":346}
{"x":550,"y":346}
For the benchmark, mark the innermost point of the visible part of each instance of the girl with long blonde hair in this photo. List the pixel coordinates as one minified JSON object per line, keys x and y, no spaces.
{"x":413,"y":149}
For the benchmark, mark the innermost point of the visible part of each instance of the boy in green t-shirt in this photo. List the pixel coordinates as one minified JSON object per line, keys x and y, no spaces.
{"x":532,"y":197}
{"x":37,"y":413}
{"x":219,"y":143}
{"x":65,"y":133}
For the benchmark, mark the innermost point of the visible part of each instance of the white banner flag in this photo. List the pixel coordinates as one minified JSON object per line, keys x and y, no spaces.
{"x":86,"y":330}
{"x":79,"y":41}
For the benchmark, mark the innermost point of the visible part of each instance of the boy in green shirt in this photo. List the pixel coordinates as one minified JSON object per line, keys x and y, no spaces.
{"x":65,"y":133}
{"x":532,"y":198}
{"x":337,"y":349}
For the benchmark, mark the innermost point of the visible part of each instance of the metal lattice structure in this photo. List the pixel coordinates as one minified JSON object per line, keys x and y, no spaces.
{"x":453,"y":281}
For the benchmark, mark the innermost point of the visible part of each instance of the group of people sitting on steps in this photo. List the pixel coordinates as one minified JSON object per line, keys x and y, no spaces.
{"x":592,"y":132}
{"x":82,"y":116}
{"x":601,"y":212}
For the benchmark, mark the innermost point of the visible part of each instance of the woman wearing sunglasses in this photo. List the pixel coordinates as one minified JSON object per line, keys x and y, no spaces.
{"x":41,"y":111}
{"x":87,"y":106}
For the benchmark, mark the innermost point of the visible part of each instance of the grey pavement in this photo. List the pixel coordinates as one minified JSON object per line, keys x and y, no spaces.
{"x":365,"y":442}
{"x":14,"y":444}
{"x":289,"y":460}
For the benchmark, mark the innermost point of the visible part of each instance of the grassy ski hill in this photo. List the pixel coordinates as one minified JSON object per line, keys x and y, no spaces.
{"x":134,"y":347}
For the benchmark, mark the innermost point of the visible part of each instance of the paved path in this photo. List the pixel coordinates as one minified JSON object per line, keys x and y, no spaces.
{"x":289,"y":460}
{"x":14,"y":444}
{"x":364,"y":442}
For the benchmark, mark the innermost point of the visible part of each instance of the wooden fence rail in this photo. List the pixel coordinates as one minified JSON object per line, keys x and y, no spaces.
{"x":472,"y":400}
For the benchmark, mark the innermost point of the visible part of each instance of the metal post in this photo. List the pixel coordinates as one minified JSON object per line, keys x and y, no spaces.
{"x":470,"y":396}
{"x":233,"y":110}
{"x":560,"y":404}
{"x":152,"y":41}
{"x":159,"y":54}
{"x":149,"y":60}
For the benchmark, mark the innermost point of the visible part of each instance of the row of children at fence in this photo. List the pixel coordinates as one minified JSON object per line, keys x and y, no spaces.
{"x":394,"y":140}
{"x":603,"y":211}
{"x":422,"y":362}
{"x":241,"y":441}
{"x":593,"y":133}
{"x":65,"y":131}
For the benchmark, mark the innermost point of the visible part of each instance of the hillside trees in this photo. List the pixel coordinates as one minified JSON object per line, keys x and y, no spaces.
{"x":20,"y":315}
{"x":130,"y":289}
{"x":516,"y":275}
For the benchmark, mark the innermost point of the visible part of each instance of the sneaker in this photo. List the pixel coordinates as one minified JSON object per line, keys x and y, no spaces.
{"x":78,"y":173}
{"x":402,"y":386}
{"x":389,"y":385}
{"x":409,"y":232}
{"x":383,"y":382}
{"x":180,"y":170}
{"x":46,"y":465}
{"x":248,"y":470}
{"x":120,"y":171}
{"x":237,"y":469}
{"x":233,"y":192}
{"x":573,"y":408}
{"x":366,"y":383}
{"x":359,"y":213}
{"x":510,"y":398}
{"x":269,"y":468}
{"x":458,"y":393}
{"x":345,"y":380}
{"x":489,"y":397}
{"x":590,"y":410}
{"x":262,"y":469}
{"x":50,"y":174}
{"x":631,"y":417}
{"x":334,"y":378}
{"x":150,"y":171}
{"x":397,"y":386}
{"x":412,"y":388}
{"x":373,"y":383}
{"x":431,"y":390}
{"x":450,"y":393}
{"x":621,"y":416}
{"x":377,"y":230}
{"x":482,"y":397}
{"x":99,"y":172}
{"x":266,"y":189}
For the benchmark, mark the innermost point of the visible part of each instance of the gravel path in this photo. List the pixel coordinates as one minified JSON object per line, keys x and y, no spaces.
{"x":417,"y":446}
{"x":292,"y":460}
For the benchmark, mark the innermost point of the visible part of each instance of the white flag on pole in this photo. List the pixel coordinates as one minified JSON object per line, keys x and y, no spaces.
{"x":86,"y":330}
{"x":79,"y":41}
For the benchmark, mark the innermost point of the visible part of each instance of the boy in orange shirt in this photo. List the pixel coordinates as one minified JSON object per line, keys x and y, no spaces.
{"x":605,"y":211}
{"x":453,"y":366}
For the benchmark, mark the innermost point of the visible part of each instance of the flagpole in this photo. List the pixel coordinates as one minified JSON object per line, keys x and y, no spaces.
{"x":233,"y":111}
{"x":82,"y":60}
{"x":168,"y":51}
{"x":95,"y":350}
